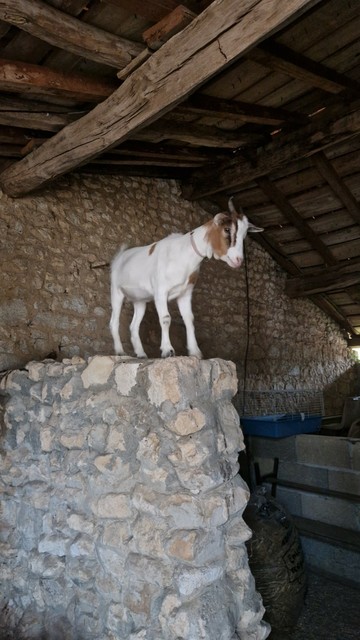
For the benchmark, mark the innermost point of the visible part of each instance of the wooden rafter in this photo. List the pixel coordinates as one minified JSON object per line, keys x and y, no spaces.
{"x":323,"y":132}
{"x":153,"y":10}
{"x":337,"y":185}
{"x":68,"y":33}
{"x":290,"y":214}
{"x":278,"y":57}
{"x":201,"y":104}
{"x":319,"y":299}
{"x":200,"y":135}
{"x":22,"y":77}
{"x":217,"y":37}
{"x":331,"y":279}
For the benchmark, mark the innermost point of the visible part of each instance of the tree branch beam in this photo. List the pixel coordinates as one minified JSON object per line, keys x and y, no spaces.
{"x":66,"y":32}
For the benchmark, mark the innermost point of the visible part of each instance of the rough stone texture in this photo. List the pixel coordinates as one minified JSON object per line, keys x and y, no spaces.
{"x":122,"y":503}
{"x":55,"y":299}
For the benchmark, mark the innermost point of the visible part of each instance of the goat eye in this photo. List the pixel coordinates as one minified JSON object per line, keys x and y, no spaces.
{"x":227,"y":230}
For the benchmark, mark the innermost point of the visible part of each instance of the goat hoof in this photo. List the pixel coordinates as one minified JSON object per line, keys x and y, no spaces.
{"x":168,"y":354}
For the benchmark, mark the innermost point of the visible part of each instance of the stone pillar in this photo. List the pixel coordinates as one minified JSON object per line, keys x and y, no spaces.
{"x":122,"y":503}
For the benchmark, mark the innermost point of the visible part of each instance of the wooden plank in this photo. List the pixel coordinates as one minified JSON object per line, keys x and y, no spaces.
{"x":201,"y":104}
{"x":21,"y":77}
{"x":280,"y":58}
{"x":153,"y":10}
{"x":338,"y":186}
{"x":217,"y":37}
{"x":322,"y":133}
{"x":199,"y":135}
{"x":291,"y":214}
{"x":168,"y":27}
{"x":325,"y":280}
{"x":62,"y":30}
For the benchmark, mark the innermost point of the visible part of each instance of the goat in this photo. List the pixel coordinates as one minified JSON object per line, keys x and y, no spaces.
{"x":168,"y":269}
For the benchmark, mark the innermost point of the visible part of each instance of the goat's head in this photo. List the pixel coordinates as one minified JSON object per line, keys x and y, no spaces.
{"x":226,"y":234}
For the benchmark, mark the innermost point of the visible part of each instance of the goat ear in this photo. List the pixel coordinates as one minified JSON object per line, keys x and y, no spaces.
{"x":253,"y":229}
{"x":222,"y":218}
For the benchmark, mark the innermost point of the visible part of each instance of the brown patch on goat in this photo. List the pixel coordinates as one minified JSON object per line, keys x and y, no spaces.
{"x":152,"y":248}
{"x":215,"y":236}
{"x":193,"y":277}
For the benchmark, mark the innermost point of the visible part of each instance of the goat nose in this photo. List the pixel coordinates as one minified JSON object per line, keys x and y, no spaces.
{"x":238,"y":261}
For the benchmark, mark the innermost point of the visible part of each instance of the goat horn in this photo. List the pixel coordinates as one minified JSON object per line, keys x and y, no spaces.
{"x":232,"y":209}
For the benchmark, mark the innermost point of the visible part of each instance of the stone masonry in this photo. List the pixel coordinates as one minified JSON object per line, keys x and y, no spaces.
{"x":122,"y":503}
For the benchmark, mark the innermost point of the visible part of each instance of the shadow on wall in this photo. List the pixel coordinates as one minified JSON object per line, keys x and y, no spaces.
{"x":348,"y":384}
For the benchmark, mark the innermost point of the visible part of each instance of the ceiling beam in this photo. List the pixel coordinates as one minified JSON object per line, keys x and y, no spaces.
{"x":323,"y":132}
{"x":152,"y":10}
{"x":204,"y":105}
{"x":22,"y":77}
{"x":337,"y":185}
{"x":333,"y":279}
{"x":278,"y":57}
{"x":213,"y":40}
{"x":66,"y":32}
{"x":199,"y":135}
{"x":292,"y":216}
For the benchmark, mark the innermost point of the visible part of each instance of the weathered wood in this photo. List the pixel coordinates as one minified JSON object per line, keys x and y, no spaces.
{"x":325,"y":280}
{"x":169,"y":26}
{"x":290,"y":214}
{"x":134,"y":64}
{"x":63,"y":31}
{"x":333,"y":312}
{"x":322,"y":133}
{"x":21,"y":77}
{"x":199,"y":135}
{"x":338,"y":186}
{"x":217,"y":37}
{"x":201,"y":104}
{"x":153,"y":10}
{"x":279,"y":57}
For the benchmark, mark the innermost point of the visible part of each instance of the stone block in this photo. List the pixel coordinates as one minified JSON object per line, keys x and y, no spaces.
{"x":282,"y":448}
{"x":303,"y":474}
{"x":98,"y":371}
{"x":323,"y":451}
{"x":345,"y":481}
{"x":330,"y":510}
{"x":336,"y":561}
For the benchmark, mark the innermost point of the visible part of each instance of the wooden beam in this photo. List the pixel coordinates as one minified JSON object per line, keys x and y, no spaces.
{"x":215,"y":39}
{"x":278,"y":57}
{"x":204,"y":105}
{"x":324,"y":132}
{"x":333,"y":312}
{"x":326,"y":280}
{"x":291,"y":215}
{"x":66,"y":32}
{"x":337,"y":185}
{"x":22,"y":77}
{"x":169,"y":26}
{"x":152,"y":10}
{"x":31,"y":114}
{"x":199,"y":135}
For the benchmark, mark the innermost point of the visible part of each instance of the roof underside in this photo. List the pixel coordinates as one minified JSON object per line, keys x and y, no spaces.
{"x":253,"y":98}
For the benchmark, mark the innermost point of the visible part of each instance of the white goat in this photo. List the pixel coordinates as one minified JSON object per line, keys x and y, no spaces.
{"x":168,"y":270}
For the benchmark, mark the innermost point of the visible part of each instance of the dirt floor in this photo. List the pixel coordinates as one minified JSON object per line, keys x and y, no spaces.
{"x":331,"y":612}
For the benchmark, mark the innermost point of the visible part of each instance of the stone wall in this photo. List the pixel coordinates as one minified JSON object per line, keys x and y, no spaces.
{"x":55,"y":299}
{"x":122,"y":503}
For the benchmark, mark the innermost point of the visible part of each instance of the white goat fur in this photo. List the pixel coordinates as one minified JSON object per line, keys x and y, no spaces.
{"x":168,"y":270}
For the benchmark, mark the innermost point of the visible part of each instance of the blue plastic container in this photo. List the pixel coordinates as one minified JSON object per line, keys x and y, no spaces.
{"x":280,"y":425}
